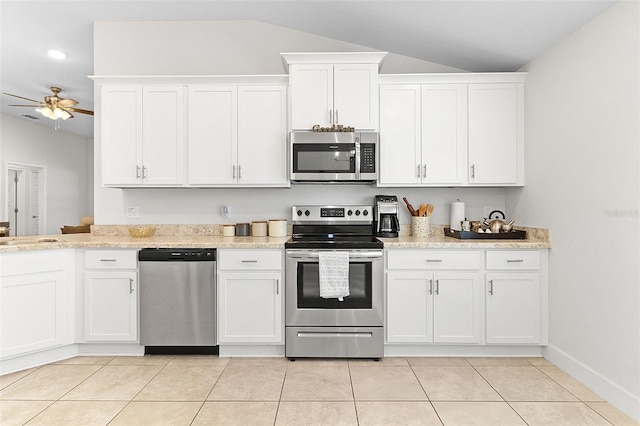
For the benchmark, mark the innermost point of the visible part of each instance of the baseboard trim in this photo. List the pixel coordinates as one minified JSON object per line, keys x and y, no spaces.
{"x":620,"y":398}
{"x":251,"y":350}
{"x":37,"y":359}
{"x":418,"y":350}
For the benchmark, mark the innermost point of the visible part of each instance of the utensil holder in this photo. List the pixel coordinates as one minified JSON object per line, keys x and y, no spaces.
{"x":420,"y":226}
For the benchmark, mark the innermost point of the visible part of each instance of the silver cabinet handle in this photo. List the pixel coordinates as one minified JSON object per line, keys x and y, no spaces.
{"x":239,"y":172}
{"x":434,"y":260}
{"x":330,"y":116}
{"x":144,"y":172}
{"x":233,"y":168}
{"x":336,"y":116}
{"x":130,"y":286}
{"x":277,"y":287}
{"x":424,"y":171}
{"x":107,"y":260}
{"x":137,"y":172}
{"x":437,"y":287}
{"x":491,"y":287}
{"x":515,"y":260}
{"x":249,"y":261}
{"x":430,"y":286}
{"x":418,"y":170}
{"x":473,"y":171}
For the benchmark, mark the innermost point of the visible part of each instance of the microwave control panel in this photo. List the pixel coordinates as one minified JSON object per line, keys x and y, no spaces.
{"x":368,"y":158}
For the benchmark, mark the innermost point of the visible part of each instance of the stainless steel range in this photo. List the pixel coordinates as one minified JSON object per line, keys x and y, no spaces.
{"x":334,"y":327}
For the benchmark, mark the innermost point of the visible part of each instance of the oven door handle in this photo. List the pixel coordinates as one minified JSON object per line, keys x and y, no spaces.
{"x":352,"y":256}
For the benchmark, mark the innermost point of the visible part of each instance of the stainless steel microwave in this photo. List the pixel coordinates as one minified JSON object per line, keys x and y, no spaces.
{"x":341,"y":157}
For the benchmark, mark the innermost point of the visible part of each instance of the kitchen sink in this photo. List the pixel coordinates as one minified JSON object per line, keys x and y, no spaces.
{"x":29,"y":241}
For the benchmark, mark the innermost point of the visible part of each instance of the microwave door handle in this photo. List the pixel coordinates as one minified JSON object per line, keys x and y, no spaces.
{"x":357,"y":142}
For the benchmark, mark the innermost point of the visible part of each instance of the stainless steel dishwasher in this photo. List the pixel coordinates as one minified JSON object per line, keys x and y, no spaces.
{"x":178,"y":300}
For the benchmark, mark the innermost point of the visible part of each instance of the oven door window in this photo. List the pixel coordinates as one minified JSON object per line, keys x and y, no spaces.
{"x":324,"y":158}
{"x":360,"y":282}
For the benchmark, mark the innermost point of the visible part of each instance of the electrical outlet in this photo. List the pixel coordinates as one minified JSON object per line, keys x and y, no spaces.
{"x":132,"y":212}
{"x":226,"y":211}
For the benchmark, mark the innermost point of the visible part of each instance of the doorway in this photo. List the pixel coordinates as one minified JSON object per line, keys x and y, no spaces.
{"x":25,"y":199}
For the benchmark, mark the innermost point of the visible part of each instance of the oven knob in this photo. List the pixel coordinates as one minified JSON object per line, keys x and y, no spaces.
{"x":307,"y":212}
{"x":357,"y":212}
{"x":299,"y":212}
{"x":365,"y":212}
{"x":349,"y":212}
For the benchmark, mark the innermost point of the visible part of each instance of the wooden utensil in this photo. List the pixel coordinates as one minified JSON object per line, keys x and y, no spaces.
{"x":423,"y":210}
{"x":410,"y":207}
{"x":429,"y":209}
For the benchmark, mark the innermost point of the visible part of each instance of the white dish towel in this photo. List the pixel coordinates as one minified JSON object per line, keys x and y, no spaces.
{"x":333,"y":268}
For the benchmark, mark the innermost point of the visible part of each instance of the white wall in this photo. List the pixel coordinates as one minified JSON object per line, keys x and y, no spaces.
{"x":69,"y":170}
{"x":582,"y":158}
{"x":240,"y":47}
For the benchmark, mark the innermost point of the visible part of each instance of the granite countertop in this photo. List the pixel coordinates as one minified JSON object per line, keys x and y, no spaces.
{"x":106,"y":237}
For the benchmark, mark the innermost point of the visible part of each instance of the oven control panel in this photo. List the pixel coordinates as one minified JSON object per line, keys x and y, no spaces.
{"x":332,"y":214}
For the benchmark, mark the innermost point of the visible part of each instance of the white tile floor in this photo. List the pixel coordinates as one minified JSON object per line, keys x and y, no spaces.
{"x":208,"y":390}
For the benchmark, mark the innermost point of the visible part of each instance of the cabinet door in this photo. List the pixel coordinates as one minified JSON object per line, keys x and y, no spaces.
{"x":163,"y":135}
{"x":32,"y":312}
{"x":513,"y":307}
{"x":262,"y":135}
{"x":250,"y":307}
{"x":400,"y":135}
{"x":111,"y":306}
{"x":444,"y":133}
{"x":495,"y":133}
{"x":409,"y":301}
{"x":456,"y":307}
{"x":355,"y":95}
{"x":212,"y":135}
{"x":311,"y":95}
{"x":120,"y":124}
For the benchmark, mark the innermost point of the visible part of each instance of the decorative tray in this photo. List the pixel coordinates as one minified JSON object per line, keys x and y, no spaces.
{"x":468,"y":235}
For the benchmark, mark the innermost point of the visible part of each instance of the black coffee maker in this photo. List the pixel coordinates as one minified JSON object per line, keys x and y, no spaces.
{"x":385,"y":211}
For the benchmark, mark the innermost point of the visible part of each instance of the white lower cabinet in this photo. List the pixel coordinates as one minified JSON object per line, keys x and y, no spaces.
{"x":250,"y":297}
{"x":425,"y":306}
{"x":36,"y":301}
{"x":111,"y":296}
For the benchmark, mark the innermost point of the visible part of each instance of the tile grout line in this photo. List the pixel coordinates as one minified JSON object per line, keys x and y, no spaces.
{"x":353,"y":393}
{"x":425,"y":392}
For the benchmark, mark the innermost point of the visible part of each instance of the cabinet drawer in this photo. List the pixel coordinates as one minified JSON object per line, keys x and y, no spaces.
{"x":249,"y":259}
{"x":111,"y":259}
{"x":513,"y":259}
{"x":433,"y":259}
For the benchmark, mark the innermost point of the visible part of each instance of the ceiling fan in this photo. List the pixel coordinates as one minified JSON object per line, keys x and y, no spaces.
{"x":54,"y":107}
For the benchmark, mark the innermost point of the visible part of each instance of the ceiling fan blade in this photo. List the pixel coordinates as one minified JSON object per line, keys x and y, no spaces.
{"x":22,"y":97}
{"x":28,"y":106}
{"x":67,"y":103}
{"x":81,"y":111}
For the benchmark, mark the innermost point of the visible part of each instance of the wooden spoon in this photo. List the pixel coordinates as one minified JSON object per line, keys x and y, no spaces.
{"x":423,"y":210}
{"x":412,"y":211}
{"x":429,"y":209}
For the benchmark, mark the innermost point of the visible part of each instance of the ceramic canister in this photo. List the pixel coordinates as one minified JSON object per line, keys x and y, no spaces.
{"x":277,"y":227}
{"x":228,"y":230}
{"x":259,"y":229}
{"x":242,"y":230}
{"x":420,"y":226}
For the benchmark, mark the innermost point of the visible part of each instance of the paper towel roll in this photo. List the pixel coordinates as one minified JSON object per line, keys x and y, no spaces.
{"x":457,"y":215}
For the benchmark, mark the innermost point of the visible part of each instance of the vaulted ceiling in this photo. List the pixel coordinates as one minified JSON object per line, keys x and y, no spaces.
{"x":475,"y":35}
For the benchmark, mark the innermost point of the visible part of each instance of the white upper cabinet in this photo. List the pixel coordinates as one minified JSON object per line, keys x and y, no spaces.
{"x":237,"y":135}
{"x":423,"y":134}
{"x":142,"y":135}
{"x":334,"y":88}
{"x":496,"y":134}
{"x":448,"y":130}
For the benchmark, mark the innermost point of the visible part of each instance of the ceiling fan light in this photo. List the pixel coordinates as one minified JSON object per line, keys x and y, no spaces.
{"x":61,"y":113}
{"x":56,"y":54}
{"x":47,"y":112}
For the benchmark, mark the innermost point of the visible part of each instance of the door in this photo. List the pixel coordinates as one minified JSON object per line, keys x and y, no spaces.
{"x":355,"y":95}
{"x":400,"y":140}
{"x":311,"y":95}
{"x":262,"y":135}
{"x":121,"y":134}
{"x":513,"y":307}
{"x":409,"y":301}
{"x":495,"y":133}
{"x":212,"y":135}
{"x":250,"y":307}
{"x":456,"y":307}
{"x":163,"y":135}
{"x":444,"y":133}
{"x":111,"y":304}
{"x":25,"y":199}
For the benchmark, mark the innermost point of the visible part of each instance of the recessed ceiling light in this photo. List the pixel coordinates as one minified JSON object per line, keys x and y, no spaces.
{"x":56,"y":54}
